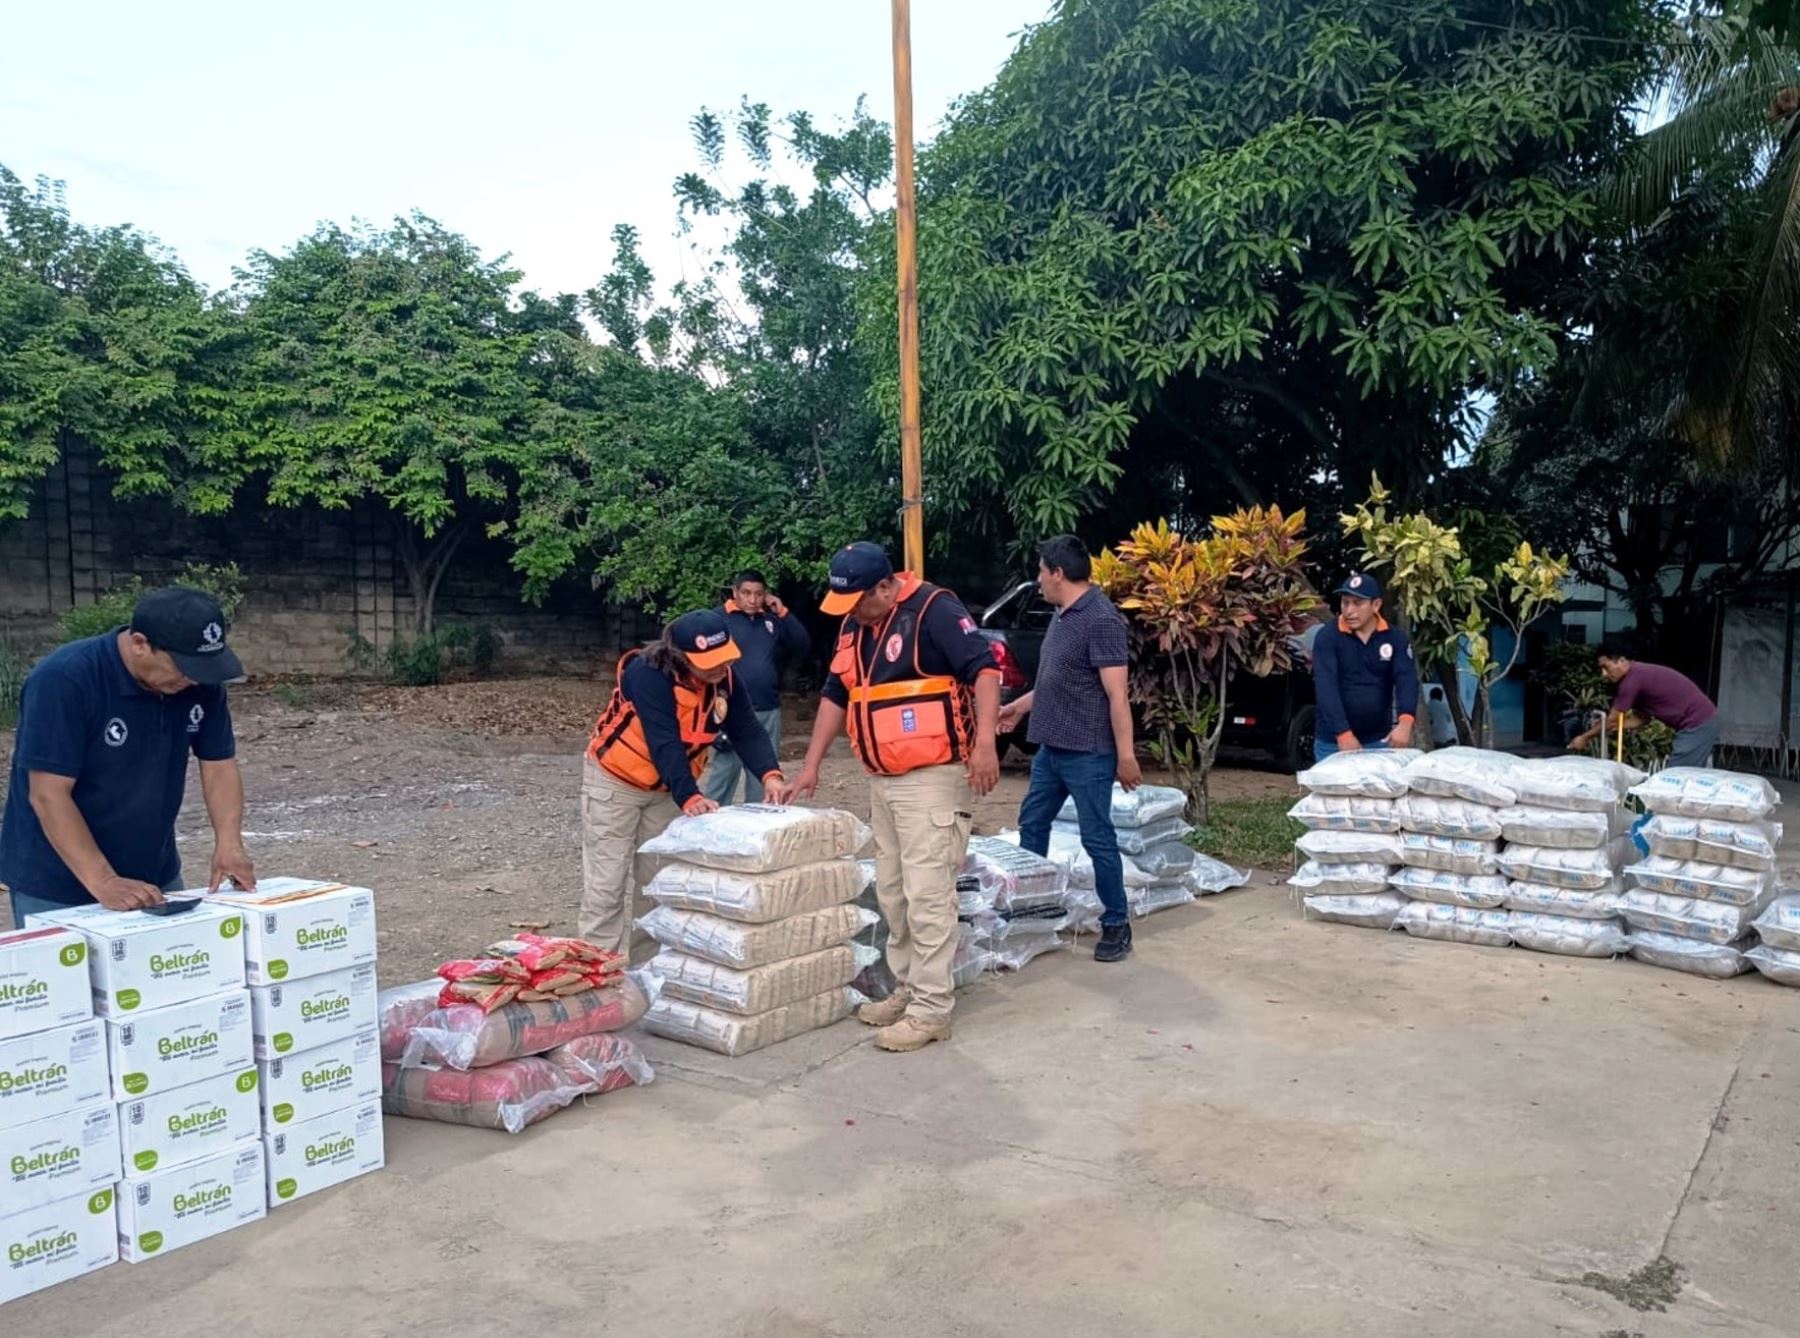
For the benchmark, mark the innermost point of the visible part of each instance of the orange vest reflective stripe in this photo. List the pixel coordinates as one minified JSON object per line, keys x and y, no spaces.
{"x":900,"y":717}
{"x":618,"y":746}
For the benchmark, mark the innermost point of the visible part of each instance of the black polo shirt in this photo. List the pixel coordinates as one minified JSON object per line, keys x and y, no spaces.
{"x":1359,"y":686}
{"x":1069,"y":708}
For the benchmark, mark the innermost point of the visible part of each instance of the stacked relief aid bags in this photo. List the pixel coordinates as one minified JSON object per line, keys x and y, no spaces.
{"x":1161,"y":869}
{"x":1012,"y":907}
{"x":1564,"y":840}
{"x":1777,"y":950}
{"x":1351,"y":848}
{"x":1450,"y":846}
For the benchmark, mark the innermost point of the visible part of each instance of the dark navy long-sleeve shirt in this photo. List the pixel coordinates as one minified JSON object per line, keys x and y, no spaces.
{"x":764,"y":640}
{"x":1359,"y":686}
{"x":652,"y":693}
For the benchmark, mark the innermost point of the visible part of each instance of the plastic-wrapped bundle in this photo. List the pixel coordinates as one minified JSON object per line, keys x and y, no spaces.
{"x":1157,"y":864}
{"x":509,"y":1095}
{"x":1456,"y":924}
{"x":744,"y":946}
{"x":1021,"y":950}
{"x":1709,"y":882}
{"x":1563,"y":902}
{"x":1570,"y":937}
{"x":1431,"y":815}
{"x":1137,"y":808}
{"x":733,"y":1034}
{"x":1713,"y":921}
{"x":1584,"y":784}
{"x":1677,"y":952}
{"x":1351,"y":847}
{"x":1585,"y":870}
{"x":464,"y":1037}
{"x":1477,"y":774}
{"x":1341,"y":880}
{"x":757,"y":898}
{"x":1779,"y":924}
{"x":756,"y":838}
{"x":996,"y":927}
{"x":1012,"y":878}
{"x":1167,"y":861}
{"x":1208,"y":875}
{"x":1346,"y":813}
{"x":1742,"y":845}
{"x":1781,"y":965}
{"x":1142,"y":901}
{"x":1448,"y":854}
{"x":1700,"y":792}
{"x":1563,"y":828}
{"x":1376,"y":773}
{"x":606,"y":1059}
{"x":401,"y":1008}
{"x":760,"y":988}
{"x":1136,"y":840}
{"x":1480,"y":892}
{"x":973,"y":957}
{"x":1375,"y":910}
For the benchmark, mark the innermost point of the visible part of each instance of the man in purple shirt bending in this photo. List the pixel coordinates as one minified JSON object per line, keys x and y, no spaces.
{"x":1662,"y":694}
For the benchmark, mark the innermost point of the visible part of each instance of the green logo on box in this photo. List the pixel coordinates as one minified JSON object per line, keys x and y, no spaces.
{"x":231,"y":928}
{"x":150,"y":1242}
{"x":101,"y":1202}
{"x":137,"y":1083}
{"x":284,"y":1189}
{"x":128,"y":1000}
{"x":283,"y":1113}
{"x":283,"y":1043}
{"x":277,"y":970}
{"x":145,"y":1161}
{"x":74,"y":955}
{"x":246,"y":1081}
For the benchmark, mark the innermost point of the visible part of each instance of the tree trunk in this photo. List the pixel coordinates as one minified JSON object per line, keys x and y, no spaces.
{"x":425,"y":560}
{"x":1450,"y":680}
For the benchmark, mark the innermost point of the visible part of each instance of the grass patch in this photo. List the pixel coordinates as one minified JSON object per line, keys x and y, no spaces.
{"x":1651,"y":1287}
{"x":15,"y":662}
{"x":1249,"y":831}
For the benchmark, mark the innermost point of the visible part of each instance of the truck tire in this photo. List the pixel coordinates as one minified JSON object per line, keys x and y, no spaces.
{"x":1298,"y":755}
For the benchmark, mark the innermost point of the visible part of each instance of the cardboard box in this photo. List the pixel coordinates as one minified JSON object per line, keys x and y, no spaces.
{"x":294,"y":928}
{"x":297,"y":1088}
{"x":189,"y":1123}
{"x":168,"y":1209}
{"x":180,"y":1044}
{"x":137,"y":962}
{"x":59,"y":1157}
{"x":52,"y":1072}
{"x":39,"y":967}
{"x":315,"y":1154}
{"x":53,"y":1242}
{"x":300,"y":1015}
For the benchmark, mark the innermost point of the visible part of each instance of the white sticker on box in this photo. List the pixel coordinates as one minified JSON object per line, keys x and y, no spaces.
{"x":55,"y":1158}
{"x":318,"y":1153}
{"x":180,"y":1044}
{"x":40,"y":968}
{"x":52,"y":1072}
{"x":299,"y":1015}
{"x":169,"y":1209}
{"x":138,"y":961}
{"x":190,"y":1123}
{"x":304,"y":1086}
{"x":54,"y":1242}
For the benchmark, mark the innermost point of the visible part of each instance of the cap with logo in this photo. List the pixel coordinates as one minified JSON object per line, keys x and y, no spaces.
{"x":1361,"y":585}
{"x":855,"y":569}
{"x":703,"y":638}
{"x":190,"y":627}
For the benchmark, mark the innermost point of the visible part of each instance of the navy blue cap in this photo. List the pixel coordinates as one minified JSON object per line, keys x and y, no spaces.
{"x":189,"y":626}
{"x":704,"y":639}
{"x":855,"y":568}
{"x":1360,"y":584}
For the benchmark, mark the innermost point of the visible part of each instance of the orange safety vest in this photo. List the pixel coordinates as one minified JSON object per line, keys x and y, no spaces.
{"x":618,"y":746}
{"x":901,"y":718}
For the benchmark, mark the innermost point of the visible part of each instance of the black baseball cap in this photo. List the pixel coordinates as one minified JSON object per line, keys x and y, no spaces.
{"x":190,"y":627}
{"x":1360,"y":584}
{"x":855,"y":569}
{"x":704,"y":639}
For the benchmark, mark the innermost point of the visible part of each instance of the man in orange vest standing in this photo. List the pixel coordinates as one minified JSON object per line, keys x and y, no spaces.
{"x":915,"y":683}
{"x":671,"y":700}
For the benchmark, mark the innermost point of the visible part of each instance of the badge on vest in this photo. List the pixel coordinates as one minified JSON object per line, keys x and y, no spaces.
{"x":895,"y":644}
{"x":720,"y":705}
{"x":909,"y":721}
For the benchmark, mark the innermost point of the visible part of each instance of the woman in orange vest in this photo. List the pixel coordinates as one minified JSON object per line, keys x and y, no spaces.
{"x":673,"y":698}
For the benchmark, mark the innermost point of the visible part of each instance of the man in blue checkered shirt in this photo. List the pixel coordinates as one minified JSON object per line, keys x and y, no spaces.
{"x":1081,"y":723}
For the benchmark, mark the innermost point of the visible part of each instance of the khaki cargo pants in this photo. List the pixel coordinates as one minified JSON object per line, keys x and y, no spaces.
{"x":616,"y":819}
{"x":921,"y":823}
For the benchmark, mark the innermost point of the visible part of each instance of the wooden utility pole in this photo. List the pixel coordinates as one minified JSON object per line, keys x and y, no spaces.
{"x":906,"y":230}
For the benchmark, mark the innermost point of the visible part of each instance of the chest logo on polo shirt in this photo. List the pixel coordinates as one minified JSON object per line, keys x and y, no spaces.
{"x":769,"y":626}
{"x":116,"y":733}
{"x":195,"y":716}
{"x":894,"y":646}
{"x":1387,"y":650}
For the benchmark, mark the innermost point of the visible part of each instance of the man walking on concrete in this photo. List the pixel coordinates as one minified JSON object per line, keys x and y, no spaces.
{"x":1663,"y":694}
{"x":765,"y":634}
{"x":1081,"y":724}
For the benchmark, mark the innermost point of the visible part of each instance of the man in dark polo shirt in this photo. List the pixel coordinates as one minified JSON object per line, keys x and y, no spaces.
{"x":1365,"y":685}
{"x":1663,"y":694}
{"x":1081,"y":723}
{"x":105,"y":728}
{"x":765,"y":634}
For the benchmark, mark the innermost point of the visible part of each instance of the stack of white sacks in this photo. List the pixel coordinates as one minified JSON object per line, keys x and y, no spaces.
{"x":1565,"y":840}
{"x":755,"y":911}
{"x":1012,"y":907}
{"x":1352,"y":844}
{"x":1695,"y":900}
{"x":1777,"y":950}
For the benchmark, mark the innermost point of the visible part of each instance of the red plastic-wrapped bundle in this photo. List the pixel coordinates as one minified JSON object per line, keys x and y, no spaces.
{"x":607,"y":1059}
{"x":509,"y":1096}
{"x":464,"y":1037}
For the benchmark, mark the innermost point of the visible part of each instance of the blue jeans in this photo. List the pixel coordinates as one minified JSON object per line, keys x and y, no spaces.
{"x":1324,"y":747}
{"x":1058,"y":774}
{"x":720,"y":780}
{"x":23,"y":905}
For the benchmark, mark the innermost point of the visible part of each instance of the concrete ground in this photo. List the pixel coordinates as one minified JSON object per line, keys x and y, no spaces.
{"x":1259,"y":1126}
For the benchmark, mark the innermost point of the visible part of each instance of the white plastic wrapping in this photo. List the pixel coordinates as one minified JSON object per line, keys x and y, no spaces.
{"x":744,"y":946}
{"x":1742,"y":845}
{"x":1351,"y":847}
{"x":1695,"y":956}
{"x":1713,"y":921}
{"x":757,"y":898}
{"x":1586,"y":784}
{"x":1781,"y":965}
{"x":1479,"y":775}
{"x":1341,"y":879}
{"x":757,"y":990}
{"x":1208,"y":875}
{"x":755,"y":838}
{"x":732,"y":1034}
{"x":1570,"y":937}
{"x":1587,"y":870}
{"x":1456,"y":924}
{"x":973,"y":957}
{"x":1377,"y":773}
{"x":1346,"y":813}
{"x":1481,"y":892}
{"x":1375,"y":910}
{"x":1142,"y":901}
{"x":1701,"y":792}
{"x":1167,"y":861}
{"x":1779,"y":924}
{"x":1563,"y":902}
{"x":1432,"y":815}
{"x":1021,"y":950}
{"x":1691,"y":878}
{"x":1449,"y":854}
{"x":1157,"y":864}
{"x":1012,"y":878}
{"x":1139,"y":807}
{"x":1563,"y":828}
{"x":1136,"y":840}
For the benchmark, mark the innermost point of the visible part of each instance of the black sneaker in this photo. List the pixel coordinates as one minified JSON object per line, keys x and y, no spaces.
{"x":1114,"y":944}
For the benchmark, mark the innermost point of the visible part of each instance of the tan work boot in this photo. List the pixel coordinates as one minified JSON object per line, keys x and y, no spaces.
{"x":912,"y":1033}
{"x":886,"y":1013}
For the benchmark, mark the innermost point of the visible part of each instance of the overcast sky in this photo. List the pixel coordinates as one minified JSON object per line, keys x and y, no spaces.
{"x":532,"y":127}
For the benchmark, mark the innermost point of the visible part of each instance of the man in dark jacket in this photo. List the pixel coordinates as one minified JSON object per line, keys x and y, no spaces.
{"x":1364,"y":683}
{"x":765,"y":634}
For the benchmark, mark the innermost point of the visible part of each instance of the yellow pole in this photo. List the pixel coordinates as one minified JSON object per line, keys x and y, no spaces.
{"x":1620,"y":754}
{"x":906,"y":225}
